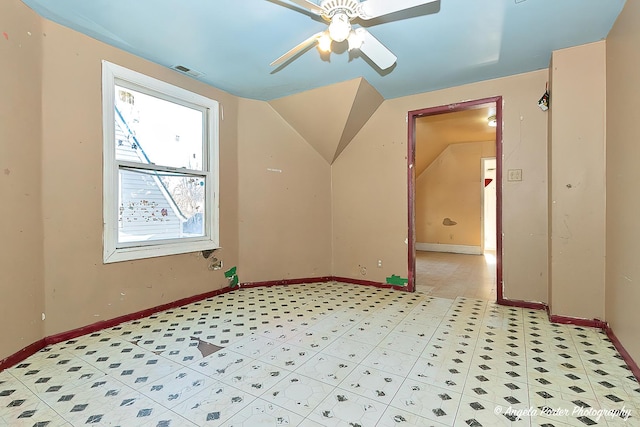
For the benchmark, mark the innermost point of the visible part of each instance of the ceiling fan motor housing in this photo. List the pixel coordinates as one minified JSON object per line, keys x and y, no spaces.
{"x":351,"y":8}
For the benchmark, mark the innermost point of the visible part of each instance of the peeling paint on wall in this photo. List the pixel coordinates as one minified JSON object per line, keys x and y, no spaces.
{"x":448,"y":222}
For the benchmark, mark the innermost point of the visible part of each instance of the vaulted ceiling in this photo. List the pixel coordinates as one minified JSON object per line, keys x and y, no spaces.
{"x":436,"y":132}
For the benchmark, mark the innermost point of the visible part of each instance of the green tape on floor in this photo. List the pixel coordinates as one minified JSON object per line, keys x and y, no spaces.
{"x":397,"y":280}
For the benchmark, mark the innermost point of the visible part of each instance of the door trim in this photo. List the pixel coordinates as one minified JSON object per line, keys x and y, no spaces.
{"x":411,"y":182}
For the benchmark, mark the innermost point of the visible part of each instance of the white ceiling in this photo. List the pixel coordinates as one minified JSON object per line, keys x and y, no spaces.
{"x":443,"y":44}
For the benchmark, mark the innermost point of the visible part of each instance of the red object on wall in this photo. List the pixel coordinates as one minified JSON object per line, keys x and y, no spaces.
{"x":487,"y":181}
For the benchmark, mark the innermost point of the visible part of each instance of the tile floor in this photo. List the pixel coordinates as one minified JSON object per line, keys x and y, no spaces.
{"x":327,"y":354}
{"x":450,"y":275}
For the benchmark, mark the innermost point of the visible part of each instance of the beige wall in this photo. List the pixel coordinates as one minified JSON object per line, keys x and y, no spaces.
{"x":370,"y":220}
{"x":348,"y":216}
{"x":577,"y":187}
{"x":21,"y":265}
{"x":285,"y":199}
{"x":623,"y":176}
{"x":78,"y":288}
{"x":451,"y":188}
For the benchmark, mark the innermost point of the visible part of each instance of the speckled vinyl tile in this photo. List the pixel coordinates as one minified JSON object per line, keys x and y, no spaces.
{"x":256,"y":377}
{"x":314,"y":341}
{"x":214,"y":405}
{"x":344,"y":408}
{"x":427,"y":401}
{"x":478,"y":412}
{"x":326,"y":368}
{"x":288,"y":356}
{"x":564,"y":408}
{"x":260,"y":413}
{"x":31,"y":413}
{"x":412,"y":346}
{"x":327,"y":354}
{"x":297,"y":393}
{"x":498,"y":390}
{"x":253,"y":346}
{"x":221,"y":363}
{"x":177,"y":387}
{"x":394,"y":417}
{"x":372,"y":383}
{"x":390,"y":361}
{"x":348,"y":349}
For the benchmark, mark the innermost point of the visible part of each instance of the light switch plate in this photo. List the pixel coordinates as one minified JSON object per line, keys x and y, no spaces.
{"x":514,"y":175}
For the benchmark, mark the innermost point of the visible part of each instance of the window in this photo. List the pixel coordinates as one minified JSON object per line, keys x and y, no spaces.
{"x":160,"y":167}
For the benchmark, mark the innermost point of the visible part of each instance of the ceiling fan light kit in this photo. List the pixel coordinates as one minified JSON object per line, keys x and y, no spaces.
{"x":340,"y":14}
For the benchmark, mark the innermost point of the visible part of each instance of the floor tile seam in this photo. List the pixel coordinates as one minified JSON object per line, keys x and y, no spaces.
{"x":441,"y":368}
{"x":396,"y":407}
{"x":227,"y":379}
{"x":174,"y":414}
{"x":62,"y":416}
{"x":66,"y":416}
{"x":382,"y":339}
{"x":620,"y":391}
{"x":333,"y":388}
{"x":46,"y":370}
{"x":364,"y":396}
{"x":14,"y":380}
{"x":459,"y":402}
{"x":132,"y":363}
{"x":343,"y":359}
{"x":28,"y":385}
{"x":237,"y":410}
{"x":31,"y":395}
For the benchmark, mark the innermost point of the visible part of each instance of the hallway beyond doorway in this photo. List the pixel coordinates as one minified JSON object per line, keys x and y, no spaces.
{"x":449,"y":275}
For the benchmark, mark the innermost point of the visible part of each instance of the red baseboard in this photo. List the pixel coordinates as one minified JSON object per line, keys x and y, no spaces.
{"x":554,"y":318}
{"x":104,"y":324}
{"x":95,"y":327}
{"x":22,"y":354}
{"x":523,"y":304}
{"x":589,"y":323}
{"x":286,"y":282}
{"x":577,"y":321}
{"x":367,"y":283}
{"x":635,"y":370}
{"x":322,"y":279}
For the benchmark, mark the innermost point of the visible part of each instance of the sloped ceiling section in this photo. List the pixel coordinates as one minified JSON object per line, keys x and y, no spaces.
{"x":435,"y":133}
{"x":329,"y":117}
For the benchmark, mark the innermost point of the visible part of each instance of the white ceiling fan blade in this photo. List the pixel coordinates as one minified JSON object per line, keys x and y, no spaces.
{"x":373,"y":8}
{"x":298,"y":49}
{"x":309,"y":5}
{"x":375,"y":51}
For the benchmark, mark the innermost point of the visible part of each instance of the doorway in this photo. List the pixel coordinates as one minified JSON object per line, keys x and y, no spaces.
{"x":489,"y":204}
{"x":452,"y":229}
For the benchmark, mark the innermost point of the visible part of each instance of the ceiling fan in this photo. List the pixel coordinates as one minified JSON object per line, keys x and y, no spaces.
{"x":340,"y":14}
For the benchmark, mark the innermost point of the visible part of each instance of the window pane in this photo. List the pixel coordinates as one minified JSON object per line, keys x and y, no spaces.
{"x":153,"y":130}
{"x":156,"y":206}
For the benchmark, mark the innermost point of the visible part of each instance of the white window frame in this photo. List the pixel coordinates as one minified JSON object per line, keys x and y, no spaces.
{"x":113,"y":251}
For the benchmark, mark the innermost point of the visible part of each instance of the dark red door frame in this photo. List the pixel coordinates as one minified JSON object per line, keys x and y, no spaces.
{"x":411,"y":180}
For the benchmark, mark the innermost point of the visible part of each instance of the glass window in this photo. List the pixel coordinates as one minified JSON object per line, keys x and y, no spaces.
{"x":160,"y":167}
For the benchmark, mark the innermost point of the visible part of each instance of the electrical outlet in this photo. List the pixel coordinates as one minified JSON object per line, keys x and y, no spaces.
{"x":379,"y":263}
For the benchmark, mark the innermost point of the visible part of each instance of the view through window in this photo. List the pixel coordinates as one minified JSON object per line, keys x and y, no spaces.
{"x":160,"y":168}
